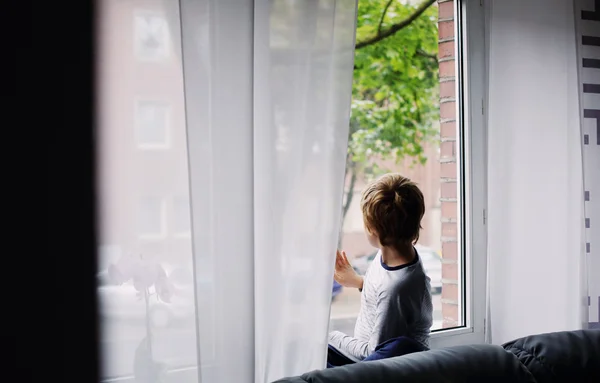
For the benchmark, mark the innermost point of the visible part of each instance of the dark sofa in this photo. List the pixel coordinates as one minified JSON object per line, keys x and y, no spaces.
{"x":571,"y":356}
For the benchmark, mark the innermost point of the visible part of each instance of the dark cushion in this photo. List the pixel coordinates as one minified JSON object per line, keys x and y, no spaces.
{"x":478,"y":363}
{"x":569,"y":356}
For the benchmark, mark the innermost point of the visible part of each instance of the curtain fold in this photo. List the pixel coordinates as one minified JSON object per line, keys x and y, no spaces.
{"x":217,"y":69}
{"x":267,"y":87}
{"x":535,"y":217}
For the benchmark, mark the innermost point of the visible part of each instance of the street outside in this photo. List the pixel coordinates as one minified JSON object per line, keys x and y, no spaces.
{"x":177,"y":347}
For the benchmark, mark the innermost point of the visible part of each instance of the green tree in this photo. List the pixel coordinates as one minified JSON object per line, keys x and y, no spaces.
{"x":395,"y":87}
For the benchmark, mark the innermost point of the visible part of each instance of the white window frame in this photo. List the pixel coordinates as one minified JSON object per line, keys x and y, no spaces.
{"x":167,"y":39}
{"x":469,"y":29}
{"x":168,"y":118}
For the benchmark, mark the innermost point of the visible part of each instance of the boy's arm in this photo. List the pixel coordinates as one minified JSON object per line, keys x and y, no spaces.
{"x":384,"y":322}
{"x":347,"y":345}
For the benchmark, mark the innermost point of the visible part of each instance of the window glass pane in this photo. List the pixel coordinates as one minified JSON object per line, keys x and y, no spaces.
{"x":145,"y":269}
{"x":404,"y":121}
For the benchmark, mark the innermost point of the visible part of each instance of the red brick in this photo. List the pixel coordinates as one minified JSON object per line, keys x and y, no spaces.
{"x":450,"y":291}
{"x":448,"y":189}
{"x":448,"y":130}
{"x":449,"y":210}
{"x":446,"y":30}
{"x":450,"y":271}
{"x":448,"y":89}
{"x":446,"y":10}
{"x":447,"y":149}
{"x":450,"y":311}
{"x":447,"y":68}
{"x":446,"y":49}
{"x":448,"y":170}
{"x":448,"y":110}
{"x":450,"y":250}
{"x":449,"y":229}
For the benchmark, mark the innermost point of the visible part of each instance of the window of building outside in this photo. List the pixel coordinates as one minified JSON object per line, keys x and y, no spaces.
{"x":151,"y":36}
{"x":152,"y":123}
{"x":181,"y":216}
{"x":151,"y":216}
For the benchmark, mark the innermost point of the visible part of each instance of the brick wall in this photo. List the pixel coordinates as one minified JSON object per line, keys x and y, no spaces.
{"x":448,"y":170}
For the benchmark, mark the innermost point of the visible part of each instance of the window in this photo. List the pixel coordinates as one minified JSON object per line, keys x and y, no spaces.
{"x":151,"y":217}
{"x":151,"y":36}
{"x":445,"y":164}
{"x":243,"y":165}
{"x":152,"y":124}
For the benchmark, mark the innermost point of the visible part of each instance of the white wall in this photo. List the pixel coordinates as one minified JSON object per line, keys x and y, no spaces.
{"x":535,"y":227}
{"x":590,"y":106}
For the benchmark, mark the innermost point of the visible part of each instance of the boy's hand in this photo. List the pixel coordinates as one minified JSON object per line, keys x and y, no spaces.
{"x":344,"y":273}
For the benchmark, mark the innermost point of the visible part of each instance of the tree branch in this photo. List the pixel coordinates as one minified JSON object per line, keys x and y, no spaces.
{"x":349,"y":197}
{"x":350,"y":193}
{"x":428,"y":55}
{"x":395,"y":27}
{"x":387,"y":6}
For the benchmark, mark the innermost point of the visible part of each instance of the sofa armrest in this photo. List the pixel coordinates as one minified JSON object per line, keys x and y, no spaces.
{"x":568,"y":356}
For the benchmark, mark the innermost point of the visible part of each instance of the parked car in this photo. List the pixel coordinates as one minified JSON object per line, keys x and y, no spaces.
{"x":362,"y":263}
{"x":432,"y":263}
{"x":337,"y":289}
{"x":125,"y":302}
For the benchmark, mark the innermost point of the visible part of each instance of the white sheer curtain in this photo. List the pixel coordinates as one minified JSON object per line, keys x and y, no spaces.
{"x":222,"y":136}
{"x":217,"y":67}
{"x":303,"y":55}
{"x":535,"y":226}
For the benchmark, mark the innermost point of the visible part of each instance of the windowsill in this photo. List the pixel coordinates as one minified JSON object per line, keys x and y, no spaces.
{"x":450,"y":331}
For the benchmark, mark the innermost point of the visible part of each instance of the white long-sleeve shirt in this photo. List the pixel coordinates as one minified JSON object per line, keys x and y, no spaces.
{"x":395,"y":301}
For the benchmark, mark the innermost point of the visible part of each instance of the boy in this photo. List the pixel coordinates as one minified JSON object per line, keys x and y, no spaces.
{"x":396,"y":293}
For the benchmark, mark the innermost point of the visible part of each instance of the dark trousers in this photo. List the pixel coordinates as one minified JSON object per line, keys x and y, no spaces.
{"x":336,"y":358}
{"x":388,"y":349}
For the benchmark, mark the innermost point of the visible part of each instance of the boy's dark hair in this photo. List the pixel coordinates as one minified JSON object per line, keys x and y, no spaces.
{"x":392,"y":208}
